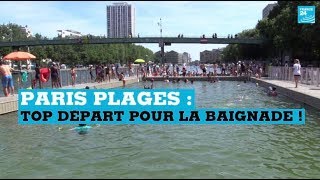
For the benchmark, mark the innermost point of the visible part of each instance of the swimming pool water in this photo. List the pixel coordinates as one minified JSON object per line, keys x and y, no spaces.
{"x":169,"y":151}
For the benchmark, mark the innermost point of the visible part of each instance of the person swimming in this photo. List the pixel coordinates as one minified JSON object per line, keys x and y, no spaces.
{"x":272,"y":91}
{"x":82,"y":129}
{"x":149,"y":87}
{"x":146,"y":87}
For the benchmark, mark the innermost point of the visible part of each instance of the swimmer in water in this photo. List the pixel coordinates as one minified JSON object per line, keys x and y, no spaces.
{"x":149,"y":87}
{"x":272,"y":91}
{"x":146,"y":87}
{"x":191,"y":81}
{"x":82,"y":129}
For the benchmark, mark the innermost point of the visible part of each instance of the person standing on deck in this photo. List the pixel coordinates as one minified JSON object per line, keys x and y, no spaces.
{"x":90,"y":71}
{"x":296,"y":71}
{"x":37,"y":77}
{"x":7,"y":80}
{"x":54,"y":76}
{"x":108,"y":72}
{"x":73,"y":74}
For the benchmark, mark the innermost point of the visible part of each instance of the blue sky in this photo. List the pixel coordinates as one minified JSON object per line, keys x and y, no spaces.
{"x":191,"y":18}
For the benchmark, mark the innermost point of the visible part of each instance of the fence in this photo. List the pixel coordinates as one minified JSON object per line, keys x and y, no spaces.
{"x":309,"y":75}
{"x":83,"y":77}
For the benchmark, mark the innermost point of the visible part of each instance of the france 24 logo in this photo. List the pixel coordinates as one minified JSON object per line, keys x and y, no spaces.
{"x":306,"y":14}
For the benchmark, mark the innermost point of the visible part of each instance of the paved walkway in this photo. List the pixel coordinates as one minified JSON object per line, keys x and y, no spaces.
{"x":311,"y":90}
{"x":308,"y":94}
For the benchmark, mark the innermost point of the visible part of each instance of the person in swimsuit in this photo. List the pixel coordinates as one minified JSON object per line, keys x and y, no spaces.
{"x":108,"y":72}
{"x":37,"y":77}
{"x":73,"y":76}
{"x":121,"y":78}
{"x":90,"y":71}
{"x":54,"y":76}
{"x":272,"y":91}
{"x":7,"y":81}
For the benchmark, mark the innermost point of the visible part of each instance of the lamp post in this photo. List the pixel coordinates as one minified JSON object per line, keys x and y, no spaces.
{"x":160,"y":25}
{"x":161,"y":44}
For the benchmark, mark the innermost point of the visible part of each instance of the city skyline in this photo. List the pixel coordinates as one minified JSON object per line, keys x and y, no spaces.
{"x":192,"y":19}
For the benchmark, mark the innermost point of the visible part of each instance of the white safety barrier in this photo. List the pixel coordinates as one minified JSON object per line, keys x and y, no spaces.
{"x":309,"y":75}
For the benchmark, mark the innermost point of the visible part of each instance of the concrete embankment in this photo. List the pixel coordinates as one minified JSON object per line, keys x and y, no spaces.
{"x":304,"y":93}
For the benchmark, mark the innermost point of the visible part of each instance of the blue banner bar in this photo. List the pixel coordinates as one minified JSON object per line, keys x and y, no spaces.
{"x":162,"y":116}
{"x":104,"y":99}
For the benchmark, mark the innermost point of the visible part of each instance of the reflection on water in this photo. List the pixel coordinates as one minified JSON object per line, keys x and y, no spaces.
{"x":164,"y":151}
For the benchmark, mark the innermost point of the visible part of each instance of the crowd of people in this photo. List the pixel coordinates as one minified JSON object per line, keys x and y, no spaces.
{"x":230,"y":69}
{"x":105,"y":72}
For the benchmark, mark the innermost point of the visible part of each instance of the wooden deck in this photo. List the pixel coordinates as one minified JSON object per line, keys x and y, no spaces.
{"x":10,"y":104}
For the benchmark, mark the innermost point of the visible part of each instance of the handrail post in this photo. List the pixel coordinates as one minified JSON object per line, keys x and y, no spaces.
{"x":67,"y":76}
{"x":60,"y":78}
{"x":87,"y":77}
{"x":306,"y":75}
{"x":312,"y":76}
{"x":318,"y":74}
{"x":291,"y":74}
{"x":80,"y":77}
{"x":302,"y":75}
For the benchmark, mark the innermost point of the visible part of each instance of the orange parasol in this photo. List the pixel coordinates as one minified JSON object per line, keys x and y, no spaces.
{"x":19,"y":55}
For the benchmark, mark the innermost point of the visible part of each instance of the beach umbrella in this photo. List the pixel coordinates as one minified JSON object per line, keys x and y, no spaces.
{"x":139,"y":61}
{"x":19,"y":55}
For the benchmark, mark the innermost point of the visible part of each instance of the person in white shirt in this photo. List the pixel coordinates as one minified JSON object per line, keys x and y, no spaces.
{"x":296,"y":71}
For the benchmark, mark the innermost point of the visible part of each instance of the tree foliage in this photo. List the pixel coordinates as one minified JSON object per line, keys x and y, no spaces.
{"x":284,"y":34}
{"x":75,"y":54}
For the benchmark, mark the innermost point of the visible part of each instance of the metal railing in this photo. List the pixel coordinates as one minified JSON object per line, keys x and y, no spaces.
{"x":83,"y":77}
{"x":309,"y":75}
